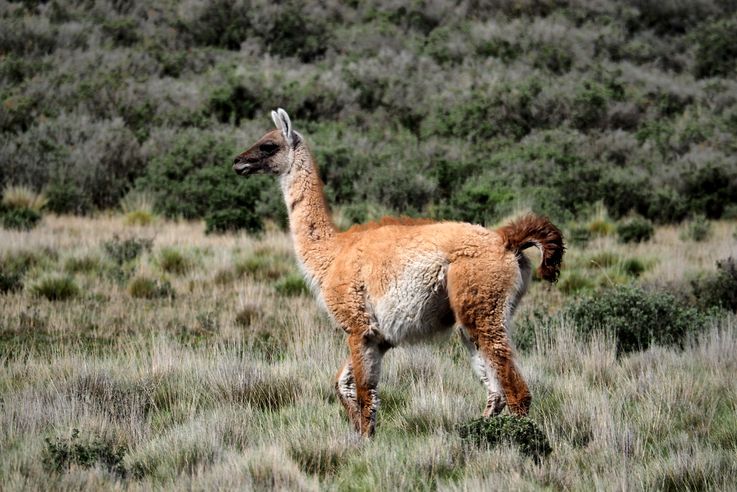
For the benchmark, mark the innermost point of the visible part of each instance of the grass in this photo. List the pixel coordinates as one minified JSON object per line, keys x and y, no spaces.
{"x":228,"y":385}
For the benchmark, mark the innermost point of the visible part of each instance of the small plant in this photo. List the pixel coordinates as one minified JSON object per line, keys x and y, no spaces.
{"x":247,"y":314}
{"x":81,"y":264}
{"x":264,"y":264}
{"x":63,"y":452}
{"x":23,"y":197}
{"x":291,"y":285}
{"x":139,"y":218}
{"x":635,"y":230}
{"x":718,"y":289}
{"x":56,"y":288}
{"x":138,"y":208}
{"x":520,"y":431}
{"x":697,"y":229}
{"x":171,"y":260}
{"x":579,"y":235}
{"x":21,"y":219}
{"x":636,"y":318}
{"x":126,"y":250}
{"x":142,"y":287}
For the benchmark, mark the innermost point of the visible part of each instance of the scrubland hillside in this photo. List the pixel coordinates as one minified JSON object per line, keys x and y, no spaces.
{"x":461,"y":110}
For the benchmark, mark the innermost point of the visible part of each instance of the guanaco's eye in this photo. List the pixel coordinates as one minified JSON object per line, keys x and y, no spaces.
{"x":268,"y":147}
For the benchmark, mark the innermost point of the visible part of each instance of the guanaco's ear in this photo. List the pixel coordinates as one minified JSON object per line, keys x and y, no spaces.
{"x":282,"y":121}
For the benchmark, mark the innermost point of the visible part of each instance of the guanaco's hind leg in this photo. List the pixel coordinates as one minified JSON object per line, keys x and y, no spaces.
{"x":481,"y":296}
{"x":495,"y":401}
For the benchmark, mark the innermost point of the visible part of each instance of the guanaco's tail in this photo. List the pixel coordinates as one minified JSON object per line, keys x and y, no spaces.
{"x":533,"y":230}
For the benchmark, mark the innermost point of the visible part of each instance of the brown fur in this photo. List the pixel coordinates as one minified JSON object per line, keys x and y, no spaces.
{"x":529,"y":230}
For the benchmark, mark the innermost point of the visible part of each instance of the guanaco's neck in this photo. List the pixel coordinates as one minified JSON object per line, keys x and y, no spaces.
{"x":312,"y":228}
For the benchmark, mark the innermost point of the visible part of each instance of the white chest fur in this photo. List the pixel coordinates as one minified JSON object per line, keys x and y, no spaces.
{"x":415,"y":306}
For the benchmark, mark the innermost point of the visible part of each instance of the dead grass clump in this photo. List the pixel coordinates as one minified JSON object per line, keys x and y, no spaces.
{"x":23,"y":197}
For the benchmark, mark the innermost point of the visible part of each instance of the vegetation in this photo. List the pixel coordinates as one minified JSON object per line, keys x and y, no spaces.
{"x":131,"y":360}
{"x":457,"y":112}
{"x":520,"y":431}
{"x":196,"y":380}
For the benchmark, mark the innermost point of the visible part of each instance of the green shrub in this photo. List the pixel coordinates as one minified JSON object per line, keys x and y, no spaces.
{"x":56,"y":288}
{"x":718,"y":289}
{"x":82,"y":264}
{"x":520,"y":431}
{"x":142,"y":287}
{"x":635,"y":230}
{"x":126,"y":250}
{"x":194,"y":179}
{"x":263,"y":264}
{"x":292,"y":284}
{"x":122,"y":32}
{"x":716,"y":52}
{"x":66,"y":197}
{"x":22,"y":219}
{"x":62,"y":452}
{"x":636,"y":318}
{"x":697,"y":229}
{"x":171,"y":260}
{"x":13,"y":267}
{"x":709,"y":190}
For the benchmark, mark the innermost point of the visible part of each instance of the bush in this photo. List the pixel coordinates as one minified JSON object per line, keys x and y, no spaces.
{"x":126,"y":250}
{"x":142,"y":287}
{"x":63,"y":452}
{"x":697,"y":229}
{"x":635,"y":230}
{"x":66,"y":197}
{"x":636,"y":318}
{"x":22,"y":219}
{"x":292,"y":284}
{"x":194,"y":180}
{"x":718,"y":289}
{"x":171,"y":260}
{"x":716,"y":52}
{"x":521,"y":431}
{"x":56,"y":288}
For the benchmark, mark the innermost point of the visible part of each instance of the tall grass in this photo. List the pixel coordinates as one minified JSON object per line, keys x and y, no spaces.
{"x":229,"y":384}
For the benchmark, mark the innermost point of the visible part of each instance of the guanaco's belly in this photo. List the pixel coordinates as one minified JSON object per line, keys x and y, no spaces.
{"x":415,"y":307}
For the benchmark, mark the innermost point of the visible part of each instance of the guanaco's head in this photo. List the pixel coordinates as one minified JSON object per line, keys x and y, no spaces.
{"x":273,"y":153}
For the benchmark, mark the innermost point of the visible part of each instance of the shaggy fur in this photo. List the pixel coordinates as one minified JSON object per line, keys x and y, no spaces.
{"x":400,"y":281}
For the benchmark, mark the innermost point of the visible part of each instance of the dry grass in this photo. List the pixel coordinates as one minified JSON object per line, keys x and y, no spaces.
{"x":229,"y":385}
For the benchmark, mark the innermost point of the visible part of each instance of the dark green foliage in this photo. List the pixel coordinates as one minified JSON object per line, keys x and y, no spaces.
{"x":122,"y":32}
{"x":709,"y":189}
{"x":507,"y":429}
{"x":19,"y":218}
{"x":171,"y":260}
{"x":195,"y":180}
{"x":56,"y":288}
{"x":147,"y":288}
{"x":62,"y":452}
{"x":635,"y":230}
{"x":126,"y":250}
{"x":718,"y":289}
{"x":65,"y":197}
{"x":292,"y":284}
{"x":716,"y":51}
{"x":636,"y":318}
{"x":13,"y":267}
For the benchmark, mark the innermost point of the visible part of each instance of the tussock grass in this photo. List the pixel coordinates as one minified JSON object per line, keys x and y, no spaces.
{"x":229,"y":385}
{"x":23,"y":197}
